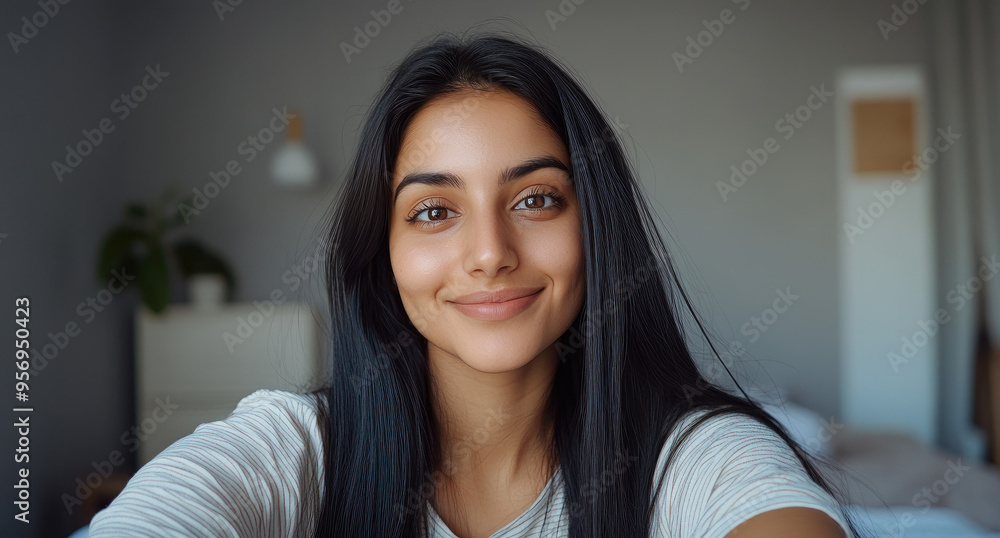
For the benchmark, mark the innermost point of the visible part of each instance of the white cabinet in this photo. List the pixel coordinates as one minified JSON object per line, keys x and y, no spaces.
{"x":194,"y":366}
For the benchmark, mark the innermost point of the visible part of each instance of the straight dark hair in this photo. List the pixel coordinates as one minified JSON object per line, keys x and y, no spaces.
{"x":626,"y":374}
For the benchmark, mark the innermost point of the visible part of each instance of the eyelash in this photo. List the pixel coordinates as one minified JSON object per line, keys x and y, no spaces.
{"x":559,"y":202}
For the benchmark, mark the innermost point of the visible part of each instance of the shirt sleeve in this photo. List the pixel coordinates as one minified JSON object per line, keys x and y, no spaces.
{"x":256,"y":473}
{"x":730,"y":469}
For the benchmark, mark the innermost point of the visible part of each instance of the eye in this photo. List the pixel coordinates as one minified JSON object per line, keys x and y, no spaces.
{"x":435,"y":211}
{"x":533,"y":201}
{"x":536,"y":200}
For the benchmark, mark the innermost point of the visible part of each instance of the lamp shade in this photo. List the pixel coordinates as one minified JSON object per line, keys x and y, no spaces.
{"x":293,"y":165}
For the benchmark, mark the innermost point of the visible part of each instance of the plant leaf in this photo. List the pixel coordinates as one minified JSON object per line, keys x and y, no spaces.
{"x":177,"y":217}
{"x":136,"y":210}
{"x":154,"y":279}
{"x":194,"y":258}
{"x":116,"y":246}
{"x":190,"y":256}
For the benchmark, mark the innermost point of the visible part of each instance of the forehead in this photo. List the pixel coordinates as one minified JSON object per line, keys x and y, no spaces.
{"x":474,"y":130}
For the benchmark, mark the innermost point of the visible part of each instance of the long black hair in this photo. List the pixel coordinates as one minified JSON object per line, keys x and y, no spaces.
{"x":626,"y":374}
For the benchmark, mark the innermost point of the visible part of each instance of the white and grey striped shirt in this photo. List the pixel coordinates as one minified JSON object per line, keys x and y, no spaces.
{"x":259,"y":472}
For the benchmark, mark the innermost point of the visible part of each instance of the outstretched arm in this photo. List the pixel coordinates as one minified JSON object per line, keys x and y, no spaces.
{"x":789,"y":522}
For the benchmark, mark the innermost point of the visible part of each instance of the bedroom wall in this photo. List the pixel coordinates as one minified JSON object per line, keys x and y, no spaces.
{"x":685,"y":128}
{"x":60,"y":82}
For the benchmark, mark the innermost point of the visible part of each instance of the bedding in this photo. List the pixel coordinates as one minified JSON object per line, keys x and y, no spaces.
{"x":910,"y":522}
{"x":907,"y":488}
{"x":922,"y":492}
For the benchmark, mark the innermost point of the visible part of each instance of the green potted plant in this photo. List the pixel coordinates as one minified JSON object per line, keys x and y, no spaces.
{"x":145,"y":244}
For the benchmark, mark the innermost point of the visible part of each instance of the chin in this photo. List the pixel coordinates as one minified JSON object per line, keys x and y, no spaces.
{"x":481,"y":359}
{"x":489,"y":365}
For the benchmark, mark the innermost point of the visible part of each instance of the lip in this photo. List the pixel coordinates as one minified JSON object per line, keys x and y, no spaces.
{"x":498,"y":305}
{"x":498,"y":296}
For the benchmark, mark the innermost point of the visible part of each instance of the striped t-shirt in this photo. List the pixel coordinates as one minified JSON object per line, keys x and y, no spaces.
{"x":259,"y":472}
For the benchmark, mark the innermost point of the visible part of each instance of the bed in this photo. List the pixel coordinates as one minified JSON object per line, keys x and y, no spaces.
{"x":936,"y":522}
{"x":904,"y":473}
{"x":922,"y":491}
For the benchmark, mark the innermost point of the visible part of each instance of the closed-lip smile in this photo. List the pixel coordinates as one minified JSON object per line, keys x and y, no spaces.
{"x":496,"y":305}
{"x":497,"y":296}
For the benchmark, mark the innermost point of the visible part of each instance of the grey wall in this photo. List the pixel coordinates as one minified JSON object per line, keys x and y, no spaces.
{"x":61,"y":81}
{"x":685,"y":130}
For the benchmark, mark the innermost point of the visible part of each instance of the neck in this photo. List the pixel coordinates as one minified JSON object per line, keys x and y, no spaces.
{"x":494,"y":428}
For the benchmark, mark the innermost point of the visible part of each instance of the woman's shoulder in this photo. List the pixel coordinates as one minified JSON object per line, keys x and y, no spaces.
{"x":256,"y":472}
{"x":291,"y":406}
{"x":729,"y":468}
{"x":267,"y":423}
{"x":725,"y":429}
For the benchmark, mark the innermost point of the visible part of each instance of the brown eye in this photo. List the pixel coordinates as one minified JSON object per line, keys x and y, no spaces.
{"x":535,"y":202}
{"x":435,"y":213}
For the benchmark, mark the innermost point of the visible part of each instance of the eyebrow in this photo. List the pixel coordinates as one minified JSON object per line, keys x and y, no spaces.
{"x":448,"y":179}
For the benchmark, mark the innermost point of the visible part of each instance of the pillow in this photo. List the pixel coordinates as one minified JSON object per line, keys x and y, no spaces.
{"x":805,"y":426}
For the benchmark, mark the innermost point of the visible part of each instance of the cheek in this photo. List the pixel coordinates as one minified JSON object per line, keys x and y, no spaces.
{"x":419,"y":270}
{"x":558,"y":252}
{"x":420,"y":273}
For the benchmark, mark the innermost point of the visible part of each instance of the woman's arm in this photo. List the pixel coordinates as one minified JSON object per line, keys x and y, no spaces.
{"x":736,"y":477}
{"x":790,"y":522}
{"x":256,"y":473}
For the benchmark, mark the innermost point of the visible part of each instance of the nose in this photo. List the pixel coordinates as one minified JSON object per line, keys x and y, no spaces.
{"x":490,"y":243}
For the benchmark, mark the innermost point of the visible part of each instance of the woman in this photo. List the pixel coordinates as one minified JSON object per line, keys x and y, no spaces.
{"x":508,"y":351}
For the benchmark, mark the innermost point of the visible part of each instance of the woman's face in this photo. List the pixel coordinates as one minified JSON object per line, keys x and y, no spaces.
{"x":492,"y":208}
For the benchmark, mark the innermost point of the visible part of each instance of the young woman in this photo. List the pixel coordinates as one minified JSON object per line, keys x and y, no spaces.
{"x":507,"y":349}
